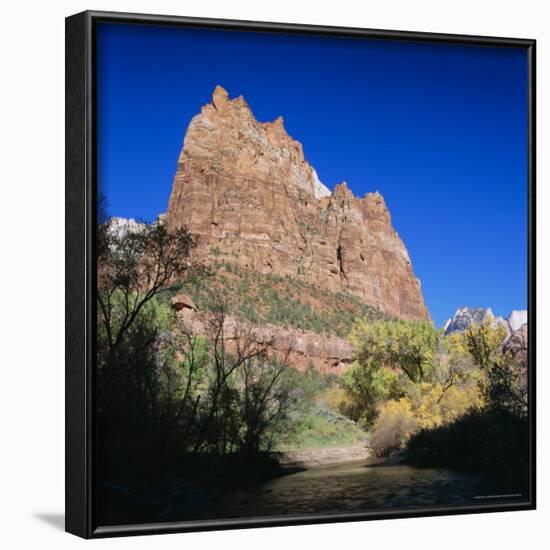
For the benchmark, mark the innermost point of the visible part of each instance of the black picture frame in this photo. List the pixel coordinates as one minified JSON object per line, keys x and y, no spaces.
{"x":81,"y":218}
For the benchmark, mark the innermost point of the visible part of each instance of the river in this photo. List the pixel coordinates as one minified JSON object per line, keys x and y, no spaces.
{"x":356,"y":487}
{"x":348,"y":487}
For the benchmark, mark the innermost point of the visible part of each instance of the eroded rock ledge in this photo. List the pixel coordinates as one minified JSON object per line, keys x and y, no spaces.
{"x":328,"y":354}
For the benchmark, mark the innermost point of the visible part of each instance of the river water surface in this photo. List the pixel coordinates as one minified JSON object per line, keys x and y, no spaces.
{"x":357,"y":487}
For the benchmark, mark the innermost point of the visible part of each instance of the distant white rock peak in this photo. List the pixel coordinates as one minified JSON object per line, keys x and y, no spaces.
{"x":122,"y":226}
{"x":517,"y":319}
{"x":465,"y":316}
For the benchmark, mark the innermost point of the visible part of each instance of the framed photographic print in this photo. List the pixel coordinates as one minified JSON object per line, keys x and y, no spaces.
{"x":300,"y":274}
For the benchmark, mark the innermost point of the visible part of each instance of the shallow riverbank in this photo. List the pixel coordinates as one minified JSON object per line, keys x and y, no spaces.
{"x":325,"y":456}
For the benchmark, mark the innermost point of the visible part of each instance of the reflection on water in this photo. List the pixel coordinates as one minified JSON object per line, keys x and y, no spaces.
{"x":355,"y":487}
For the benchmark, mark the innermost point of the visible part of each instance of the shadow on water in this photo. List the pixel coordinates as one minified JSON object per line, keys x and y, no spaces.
{"x":344,"y":488}
{"x":57,"y":521}
{"x":356,"y":487}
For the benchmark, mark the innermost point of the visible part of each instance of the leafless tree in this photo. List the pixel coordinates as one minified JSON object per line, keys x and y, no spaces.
{"x":264,"y":403}
{"x":244,"y":398}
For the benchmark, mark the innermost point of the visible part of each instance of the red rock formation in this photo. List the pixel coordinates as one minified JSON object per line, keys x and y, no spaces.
{"x":246,"y":190}
{"x":328,"y":354}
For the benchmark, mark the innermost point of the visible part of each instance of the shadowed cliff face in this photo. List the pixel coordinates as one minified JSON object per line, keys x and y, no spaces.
{"x":246,"y":190}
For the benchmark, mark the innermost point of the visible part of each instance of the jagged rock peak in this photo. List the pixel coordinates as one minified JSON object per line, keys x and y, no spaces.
{"x":375,"y":196}
{"x":221,"y":100}
{"x":219,"y":97}
{"x":278,"y":124}
{"x":245,"y":189}
{"x":226,"y":128}
{"x":466,"y":316}
{"x":277,"y":132}
{"x":342,"y":190}
{"x":375,"y":202}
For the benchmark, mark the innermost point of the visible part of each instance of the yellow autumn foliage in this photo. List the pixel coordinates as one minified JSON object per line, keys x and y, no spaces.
{"x":457,"y":400}
{"x":429,"y":406}
{"x":396,"y":422}
{"x":335,"y":398}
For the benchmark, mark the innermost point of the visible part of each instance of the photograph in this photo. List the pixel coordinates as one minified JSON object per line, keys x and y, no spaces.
{"x":311,"y":275}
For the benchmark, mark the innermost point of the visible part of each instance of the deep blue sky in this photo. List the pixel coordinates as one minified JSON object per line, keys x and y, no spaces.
{"x":439,"y":130}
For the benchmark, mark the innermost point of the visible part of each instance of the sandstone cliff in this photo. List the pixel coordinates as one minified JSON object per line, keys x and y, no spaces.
{"x":245,"y":189}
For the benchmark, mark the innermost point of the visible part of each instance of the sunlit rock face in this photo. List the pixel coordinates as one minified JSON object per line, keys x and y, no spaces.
{"x":246,"y":190}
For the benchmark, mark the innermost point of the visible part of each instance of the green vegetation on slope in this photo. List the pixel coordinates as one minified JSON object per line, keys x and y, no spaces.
{"x":314,"y":419}
{"x":273,"y":299}
{"x":320,"y":428}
